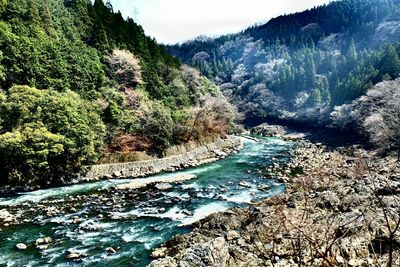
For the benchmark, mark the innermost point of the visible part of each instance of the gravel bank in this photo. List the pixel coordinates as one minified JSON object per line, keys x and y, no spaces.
{"x":341,"y":208}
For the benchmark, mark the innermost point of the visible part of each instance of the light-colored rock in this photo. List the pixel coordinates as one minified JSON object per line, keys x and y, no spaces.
{"x":158,"y":253}
{"x":4,"y":214}
{"x":355,"y":262}
{"x":163,"y":186}
{"x":245,"y":184}
{"x":73,"y":256}
{"x":43,"y":241}
{"x":21,"y":246}
{"x":164,"y":262}
{"x":143,"y":182}
{"x":111,"y":250}
{"x":231,"y":235}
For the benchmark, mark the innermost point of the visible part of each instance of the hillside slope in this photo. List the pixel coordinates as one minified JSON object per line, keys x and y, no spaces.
{"x":298,"y":67}
{"x":79,"y":81}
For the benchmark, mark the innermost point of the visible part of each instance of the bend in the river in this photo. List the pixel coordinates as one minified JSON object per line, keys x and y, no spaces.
{"x":86,"y":219}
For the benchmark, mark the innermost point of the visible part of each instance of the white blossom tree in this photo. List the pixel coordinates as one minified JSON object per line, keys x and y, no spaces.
{"x":125,"y":68}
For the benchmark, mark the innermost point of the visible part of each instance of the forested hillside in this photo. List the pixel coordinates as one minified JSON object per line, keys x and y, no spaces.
{"x":79,"y":81}
{"x":298,"y":67}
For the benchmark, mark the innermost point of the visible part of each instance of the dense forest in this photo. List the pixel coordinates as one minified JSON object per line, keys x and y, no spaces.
{"x":79,"y":81}
{"x":298,"y":67}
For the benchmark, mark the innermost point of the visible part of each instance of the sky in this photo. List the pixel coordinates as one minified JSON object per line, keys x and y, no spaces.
{"x":173,"y":21}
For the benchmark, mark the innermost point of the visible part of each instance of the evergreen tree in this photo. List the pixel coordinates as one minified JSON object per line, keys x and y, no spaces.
{"x":390,"y":63}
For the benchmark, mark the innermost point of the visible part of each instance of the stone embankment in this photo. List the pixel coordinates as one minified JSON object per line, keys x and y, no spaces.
{"x":341,"y":208}
{"x":195,"y":157}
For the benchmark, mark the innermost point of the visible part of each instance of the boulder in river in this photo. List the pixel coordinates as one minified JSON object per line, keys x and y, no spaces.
{"x":21,"y":246}
{"x":163,"y":186}
{"x":43,"y":241}
{"x":4,"y":214}
{"x":245,"y":184}
{"x":75,"y":255}
{"x":111,"y":250}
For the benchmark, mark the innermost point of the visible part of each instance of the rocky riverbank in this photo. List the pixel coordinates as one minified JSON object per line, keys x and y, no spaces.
{"x":200,"y":155}
{"x":341,"y":208}
{"x":99,"y":222}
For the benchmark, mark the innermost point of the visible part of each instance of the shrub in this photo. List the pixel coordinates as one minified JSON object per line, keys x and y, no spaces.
{"x":46,"y":134}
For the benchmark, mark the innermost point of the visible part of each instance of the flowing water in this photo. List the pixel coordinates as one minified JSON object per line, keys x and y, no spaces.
{"x":134,"y":222}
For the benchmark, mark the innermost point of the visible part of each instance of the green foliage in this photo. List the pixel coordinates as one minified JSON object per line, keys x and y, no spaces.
{"x":104,"y":82}
{"x":29,"y":153}
{"x":159,"y":127}
{"x":3,"y":5}
{"x":315,"y":97}
{"x":390,"y":62}
{"x":50,"y":132}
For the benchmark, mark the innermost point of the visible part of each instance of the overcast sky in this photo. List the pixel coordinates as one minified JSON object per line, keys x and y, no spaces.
{"x":172,"y":21}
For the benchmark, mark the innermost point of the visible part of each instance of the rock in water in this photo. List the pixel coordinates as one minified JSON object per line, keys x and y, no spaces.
{"x":163,"y":186}
{"x":187,"y":212}
{"x":4,"y":214}
{"x":21,"y":246}
{"x":43,"y":241}
{"x":111,"y":250}
{"x":73,"y":256}
{"x":245,"y":184}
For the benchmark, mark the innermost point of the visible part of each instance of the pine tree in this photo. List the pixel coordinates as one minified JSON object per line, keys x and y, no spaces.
{"x":390,"y":62}
{"x":351,"y":51}
{"x":310,"y":72}
{"x":33,"y":12}
{"x":325,"y":94}
{"x":315,"y":97}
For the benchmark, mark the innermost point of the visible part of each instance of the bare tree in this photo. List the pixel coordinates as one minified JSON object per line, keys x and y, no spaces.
{"x":377,"y":114}
{"x":213,"y":117}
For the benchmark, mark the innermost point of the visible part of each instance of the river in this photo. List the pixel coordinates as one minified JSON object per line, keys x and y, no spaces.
{"x":89,"y":218}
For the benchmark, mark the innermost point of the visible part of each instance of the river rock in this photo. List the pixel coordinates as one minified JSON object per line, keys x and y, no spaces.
{"x":8,"y":220}
{"x":117,"y":174}
{"x":164,"y":262}
{"x":43,"y":241}
{"x":76,"y":220}
{"x":161,"y":210}
{"x":116,"y":217}
{"x":232,"y":234}
{"x":4,"y":214}
{"x":73,"y":256}
{"x":187,"y":212}
{"x":263,"y":187}
{"x":158,"y":253}
{"x":21,"y":246}
{"x":111,"y":250}
{"x":245,"y":184}
{"x":43,"y":247}
{"x":163,"y":186}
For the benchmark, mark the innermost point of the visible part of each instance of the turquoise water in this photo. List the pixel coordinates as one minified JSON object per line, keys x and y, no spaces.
{"x":135,"y":222}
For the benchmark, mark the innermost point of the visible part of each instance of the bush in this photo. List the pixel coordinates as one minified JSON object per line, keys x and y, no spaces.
{"x":46,"y":134}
